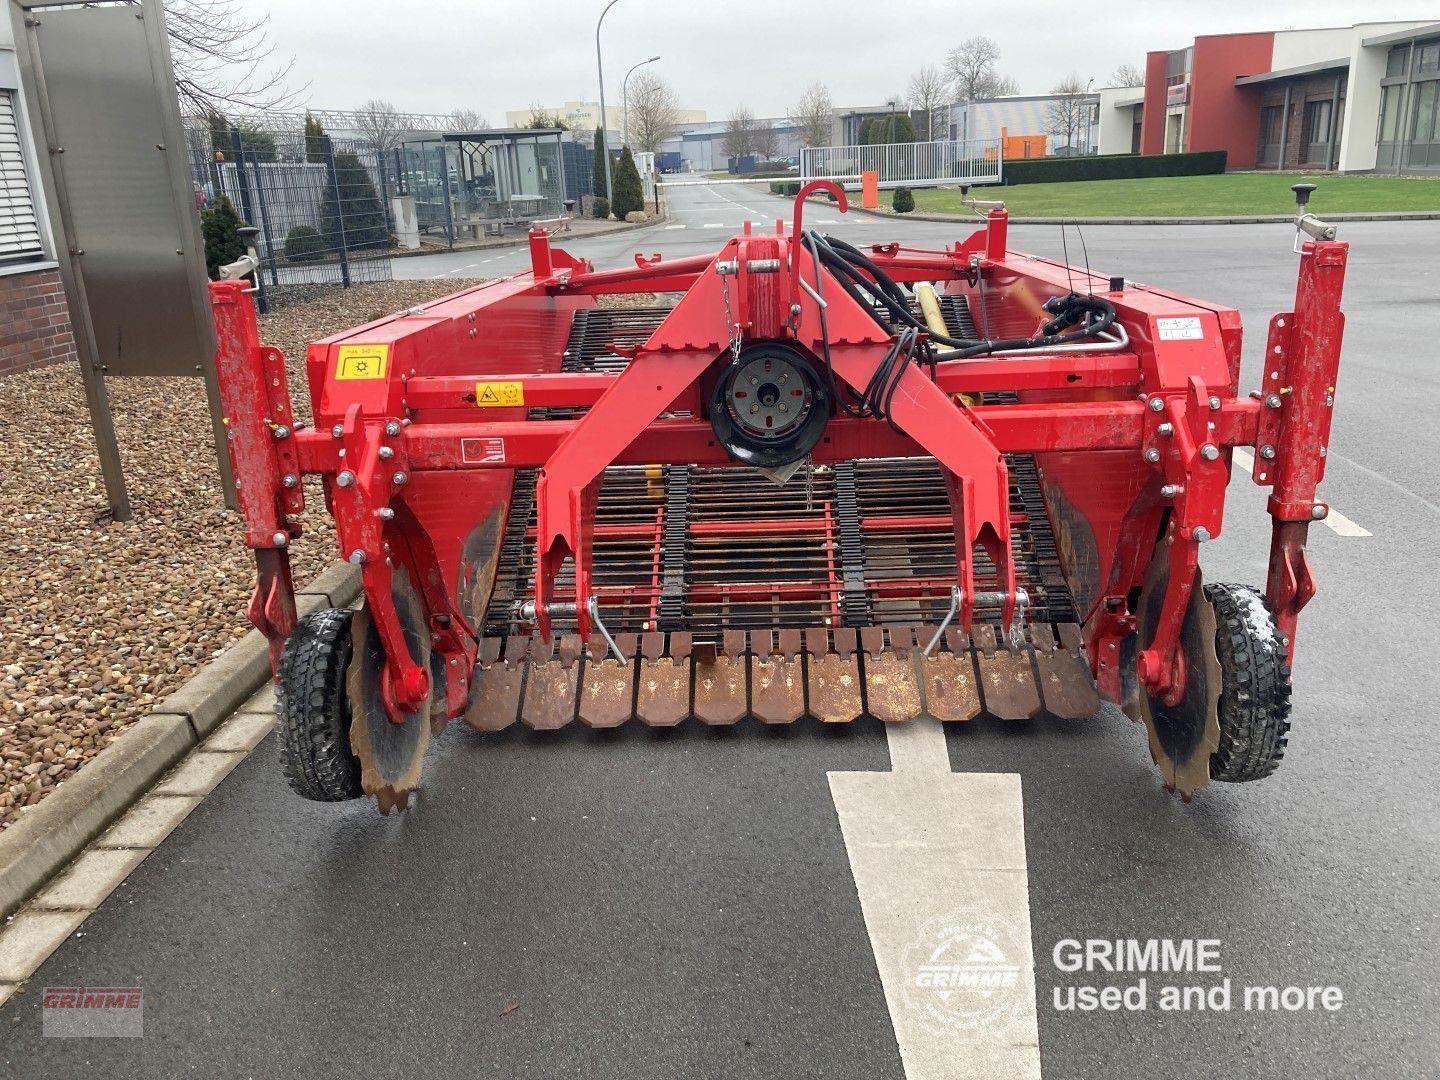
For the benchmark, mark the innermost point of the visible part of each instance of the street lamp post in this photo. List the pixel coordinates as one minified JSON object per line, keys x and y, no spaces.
{"x":604,"y":128}
{"x":625,"y":100}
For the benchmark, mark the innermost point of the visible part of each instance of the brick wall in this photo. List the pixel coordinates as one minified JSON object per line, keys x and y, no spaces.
{"x":1304,"y":90}
{"x":34,"y":322}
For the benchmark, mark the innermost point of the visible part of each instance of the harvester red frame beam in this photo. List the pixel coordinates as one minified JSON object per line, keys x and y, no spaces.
{"x":1168,"y":400}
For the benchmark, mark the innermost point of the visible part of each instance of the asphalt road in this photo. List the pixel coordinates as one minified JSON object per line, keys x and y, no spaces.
{"x":683,"y":905}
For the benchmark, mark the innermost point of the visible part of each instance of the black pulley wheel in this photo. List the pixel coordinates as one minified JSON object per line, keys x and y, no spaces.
{"x":770,"y":407}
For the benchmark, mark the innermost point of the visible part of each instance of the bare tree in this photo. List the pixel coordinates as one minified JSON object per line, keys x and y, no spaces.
{"x":540,"y":117}
{"x":1066,"y":113}
{"x":1001,"y":86}
{"x":767,"y":142}
{"x":971,"y":66}
{"x":223,"y":59}
{"x":928,"y":91}
{"x":740,"y":133}
{"x":814,"y":115}
{"x":467,"y":120}
{"x":1128,"y":75}
{"x":654,"y":111}
{"x":380,"y":125}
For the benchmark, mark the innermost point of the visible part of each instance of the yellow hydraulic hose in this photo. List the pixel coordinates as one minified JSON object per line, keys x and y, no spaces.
{"x":930,"y":309}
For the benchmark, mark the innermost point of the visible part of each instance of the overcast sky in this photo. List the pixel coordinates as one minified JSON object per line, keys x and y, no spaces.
{"x":436,"y":55}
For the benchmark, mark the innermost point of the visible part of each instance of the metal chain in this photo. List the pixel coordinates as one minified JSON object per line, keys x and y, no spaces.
{"x":730,"y":327}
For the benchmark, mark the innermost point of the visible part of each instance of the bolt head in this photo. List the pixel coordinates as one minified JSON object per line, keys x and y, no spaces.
{"x":280,"y":539}
{"x":337,"y":431}
{"x":399,"y":478}
{"x":1214,"y":403}
{"x":1319,"y":512}
{"x":1152,"y":455}
{"x":289,"y":480}
{"x":1209,"y":451}
{"x":1157,"y":404}
{"x":386,"y":453}
{"x":345,"y":479}
{"x":282,"y":432}
{"x":1272,"y":401}
{"x":357,"y":557}
{"x":1167,"y":429}
{"x":1170,"y":490}
{"x":392,"y":428}
{"x":1200,"y":533}
{"x":1267,"y":452}
{"x":385,"y":513}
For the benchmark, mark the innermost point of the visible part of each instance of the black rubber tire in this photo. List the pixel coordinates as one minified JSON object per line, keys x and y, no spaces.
{"x":1255,"y":686}
{"x":312,"y":712}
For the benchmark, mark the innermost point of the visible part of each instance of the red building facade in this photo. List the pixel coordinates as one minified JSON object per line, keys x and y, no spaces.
{"x":1192,"y":102}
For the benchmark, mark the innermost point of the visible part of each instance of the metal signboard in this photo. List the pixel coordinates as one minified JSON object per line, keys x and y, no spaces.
{"x":113,"y":162}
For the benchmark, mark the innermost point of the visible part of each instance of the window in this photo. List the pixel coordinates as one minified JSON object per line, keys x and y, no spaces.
{"x":1317,"y":123}
{"x":1428,"y":62}
{"x":1390,"y":98}
{"x":1422,"y":127}
{"x":1398,"y":62}
{"x":19,"y":230}
{"x":1270,"y":123}
{"x":1319,"y":115}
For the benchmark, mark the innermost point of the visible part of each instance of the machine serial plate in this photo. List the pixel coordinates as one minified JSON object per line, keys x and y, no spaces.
{"x":1184,"y":328}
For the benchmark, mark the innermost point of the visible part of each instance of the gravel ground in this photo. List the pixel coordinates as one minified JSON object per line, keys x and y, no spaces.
{"x":99,"y":620}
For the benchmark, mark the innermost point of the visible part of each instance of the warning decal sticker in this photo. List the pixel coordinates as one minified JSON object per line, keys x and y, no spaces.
{"x":362,"y":361}
{"x":482,"y":451}
{"x":499,"y":395}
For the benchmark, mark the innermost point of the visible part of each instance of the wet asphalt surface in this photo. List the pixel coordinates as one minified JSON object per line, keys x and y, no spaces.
{"x":680,"y":904}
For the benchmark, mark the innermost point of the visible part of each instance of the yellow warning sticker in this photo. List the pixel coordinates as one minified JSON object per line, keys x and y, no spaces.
{"x":362,"y":361}
{"x":499,"y":395}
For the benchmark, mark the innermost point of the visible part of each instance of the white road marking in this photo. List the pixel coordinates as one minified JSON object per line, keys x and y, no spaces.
{"x":669,"y":227}
{"x":716,"y":225}
{"x":1337,"y":522}
{"x":936,"y":854}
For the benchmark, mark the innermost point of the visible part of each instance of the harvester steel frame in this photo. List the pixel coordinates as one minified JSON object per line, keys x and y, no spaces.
{"x":422,"y":419}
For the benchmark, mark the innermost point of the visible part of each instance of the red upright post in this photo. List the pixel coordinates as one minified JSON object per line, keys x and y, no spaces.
{"x":1301,"y":368}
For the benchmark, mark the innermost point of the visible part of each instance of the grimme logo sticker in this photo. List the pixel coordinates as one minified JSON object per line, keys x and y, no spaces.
{"x":963,"y":971}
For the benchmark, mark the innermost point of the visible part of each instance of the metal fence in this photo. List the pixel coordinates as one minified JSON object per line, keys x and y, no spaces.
{"x":925,"y":164}
{"x":321,"y":205}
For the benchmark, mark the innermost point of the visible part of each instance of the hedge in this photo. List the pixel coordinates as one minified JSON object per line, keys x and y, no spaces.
{"x":785,"y":188}
{"x":1113,"y":167}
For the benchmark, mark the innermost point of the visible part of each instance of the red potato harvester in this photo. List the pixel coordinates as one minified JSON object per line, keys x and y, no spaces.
{"x":824,"y":482}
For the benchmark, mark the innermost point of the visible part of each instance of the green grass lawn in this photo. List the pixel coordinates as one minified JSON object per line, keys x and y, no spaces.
{"x":1195,"y":196}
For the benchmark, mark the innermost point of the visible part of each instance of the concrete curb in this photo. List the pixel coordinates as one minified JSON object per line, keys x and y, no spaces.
{"x":49,"y":836}
{"x":1250,"y":219}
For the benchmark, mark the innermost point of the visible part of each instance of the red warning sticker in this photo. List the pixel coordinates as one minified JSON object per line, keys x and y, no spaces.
{"x":482,"y":451}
